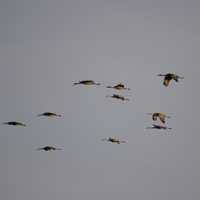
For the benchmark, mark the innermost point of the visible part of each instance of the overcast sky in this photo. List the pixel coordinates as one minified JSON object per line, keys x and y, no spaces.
{"x":45,"y":46}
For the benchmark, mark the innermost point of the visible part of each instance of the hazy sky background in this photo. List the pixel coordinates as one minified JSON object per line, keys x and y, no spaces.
{"x":45,"y":46}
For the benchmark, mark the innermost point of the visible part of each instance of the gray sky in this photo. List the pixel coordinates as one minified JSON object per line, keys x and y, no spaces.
{"x":47,"y":45}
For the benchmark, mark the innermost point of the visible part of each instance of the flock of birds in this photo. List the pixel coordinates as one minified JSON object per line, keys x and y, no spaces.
{"x":155,"y":116}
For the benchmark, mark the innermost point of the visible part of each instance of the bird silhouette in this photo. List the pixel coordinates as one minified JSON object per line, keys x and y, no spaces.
{"x":14,"y":123}
{"x":113,"y":140}
{"x":158,"y":115}
{"x":119,"y":86}
{"x":168,"y":77}
{"x":49,"y":114}
{"x":154,"y":126}
{"x":116,"y":96}
{"x":87,"y":82}
{"x":48,"y":148}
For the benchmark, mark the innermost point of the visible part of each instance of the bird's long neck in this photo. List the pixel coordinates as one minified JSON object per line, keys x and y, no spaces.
{"x":5,"y":123}
{"x":109,"y":87}
{"x":161,"y":74}
{"x":75,"y":84}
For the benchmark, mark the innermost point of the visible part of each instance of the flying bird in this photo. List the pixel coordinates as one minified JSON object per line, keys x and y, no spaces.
{"x":49,"y":114}
{"x":14,"y":123}
{"x":119,"y":86}
{"x":87,"y":82}
{"x":168,"y":77}
{"x":113,"y":140}
{"x":159,"y":115}
{"x":154,"y":126}
{"x":48,"y":148}
{"x":116,"y":96}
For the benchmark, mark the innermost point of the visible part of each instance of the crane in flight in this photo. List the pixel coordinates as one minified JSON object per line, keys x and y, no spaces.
{"x":154,"y":126}
{"x":158,"y":115}
{"x":49,"y":114}
{"x":168,"y":77}
{"x":116,"y":96}
{"x":113,"y":140}
{"x":14,"y":123}
{"x":119,"y":86}
{"x":86,"y":82}
{"x":48,"y":148}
